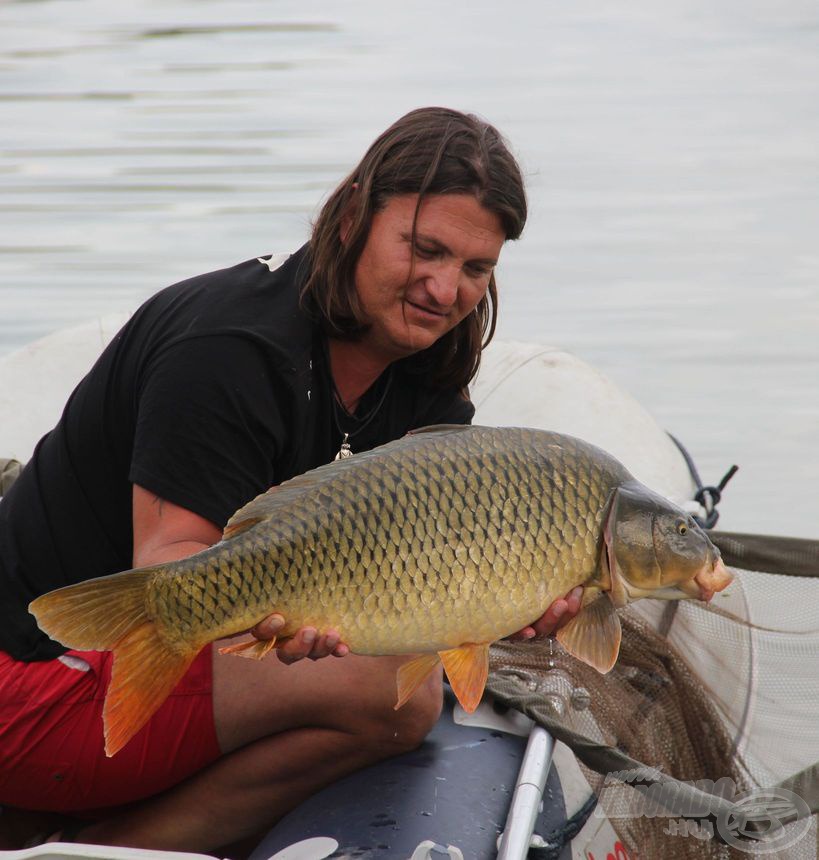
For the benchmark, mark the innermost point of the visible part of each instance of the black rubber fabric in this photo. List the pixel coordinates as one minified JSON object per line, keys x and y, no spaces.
{"x":769,"y":553}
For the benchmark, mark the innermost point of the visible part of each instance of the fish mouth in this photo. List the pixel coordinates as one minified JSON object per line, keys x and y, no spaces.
{"x":710,"y":581}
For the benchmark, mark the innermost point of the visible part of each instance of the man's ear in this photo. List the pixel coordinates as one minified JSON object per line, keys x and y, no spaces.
{"x":349,"y":215}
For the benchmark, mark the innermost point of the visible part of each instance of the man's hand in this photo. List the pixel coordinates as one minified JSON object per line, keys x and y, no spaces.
{"x":558,"y":614}
{"x":305,"y":643}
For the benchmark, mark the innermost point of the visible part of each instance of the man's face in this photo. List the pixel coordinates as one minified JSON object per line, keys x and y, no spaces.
{"x":457,"y":246}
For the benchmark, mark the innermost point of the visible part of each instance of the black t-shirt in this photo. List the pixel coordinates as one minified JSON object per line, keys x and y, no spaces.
{"x":216,"y":389}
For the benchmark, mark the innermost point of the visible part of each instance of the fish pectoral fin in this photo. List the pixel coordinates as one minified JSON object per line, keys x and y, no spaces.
{"x":255,"y":649}
{"x":467,"y":668}
{"x":594,"y":634}
{"x":411,"y":675}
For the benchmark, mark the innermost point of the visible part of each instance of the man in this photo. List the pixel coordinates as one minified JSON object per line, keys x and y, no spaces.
{"x":216,"y":389}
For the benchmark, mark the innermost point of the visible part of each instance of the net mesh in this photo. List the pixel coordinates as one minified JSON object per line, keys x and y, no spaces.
{"x":719,"y":699}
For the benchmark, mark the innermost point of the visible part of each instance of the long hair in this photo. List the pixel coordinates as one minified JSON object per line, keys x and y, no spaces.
{"x":431,"y":150}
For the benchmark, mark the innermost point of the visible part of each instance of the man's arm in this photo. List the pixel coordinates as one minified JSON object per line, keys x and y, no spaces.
{"x":166,"y":532}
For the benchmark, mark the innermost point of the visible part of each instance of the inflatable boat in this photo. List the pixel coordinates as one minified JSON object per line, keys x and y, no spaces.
{"x":492,"y":783}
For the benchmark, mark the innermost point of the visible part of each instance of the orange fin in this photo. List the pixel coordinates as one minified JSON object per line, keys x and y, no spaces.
{"x":255,"y":649}
{"x":109,"y":614}
{"x":94,"y":615}
{"x":236,"y":528}
{"x":411,"y":675}
{"x":467,"y":668}
{"x":145,"y":672}
{"x":269,"y":504}
{"x":594,"y":634}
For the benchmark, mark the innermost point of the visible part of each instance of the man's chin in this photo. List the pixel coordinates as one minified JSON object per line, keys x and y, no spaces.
{"x":420,"y":339}
{"x":408,"y":341}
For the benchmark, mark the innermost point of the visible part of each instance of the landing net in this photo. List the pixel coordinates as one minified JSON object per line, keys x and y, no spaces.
{"x":703,"y":741}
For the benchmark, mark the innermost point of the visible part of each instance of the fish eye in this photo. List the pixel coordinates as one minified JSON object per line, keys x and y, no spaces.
{"x":682,"y":528}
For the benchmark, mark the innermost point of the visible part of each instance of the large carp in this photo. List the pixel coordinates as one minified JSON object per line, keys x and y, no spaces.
{"x":437,"y":544}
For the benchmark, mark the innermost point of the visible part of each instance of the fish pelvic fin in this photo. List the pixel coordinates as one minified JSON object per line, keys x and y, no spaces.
{"x":594,"y":634}
{"x":109,"y":614}
{"x":467,"y":668}
{"x":411,"y":675}
{"x":255,"y":649}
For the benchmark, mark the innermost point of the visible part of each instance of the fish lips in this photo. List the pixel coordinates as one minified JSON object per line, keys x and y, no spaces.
{"x":711,"y":580}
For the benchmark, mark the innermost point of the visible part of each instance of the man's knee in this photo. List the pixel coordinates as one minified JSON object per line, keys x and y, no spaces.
{"x":404,"y":729}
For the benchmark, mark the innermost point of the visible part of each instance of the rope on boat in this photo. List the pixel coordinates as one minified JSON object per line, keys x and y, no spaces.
{"x":554,"y":842}
{"x":708,"y":496}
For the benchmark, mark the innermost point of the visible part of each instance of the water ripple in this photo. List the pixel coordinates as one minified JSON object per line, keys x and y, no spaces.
{"x":210,"y":29}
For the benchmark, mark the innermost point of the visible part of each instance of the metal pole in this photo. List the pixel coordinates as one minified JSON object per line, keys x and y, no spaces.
{"x":523,"y":812}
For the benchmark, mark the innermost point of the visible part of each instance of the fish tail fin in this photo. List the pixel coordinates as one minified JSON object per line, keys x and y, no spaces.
{"x":144,"y":674}
{"x":94,"y":615}
{"x":109,"y":614}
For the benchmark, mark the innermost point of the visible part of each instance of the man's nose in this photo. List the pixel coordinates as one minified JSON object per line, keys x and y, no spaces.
{"x":442,"y":284}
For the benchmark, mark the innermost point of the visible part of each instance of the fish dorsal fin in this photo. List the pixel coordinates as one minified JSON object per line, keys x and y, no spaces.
{"x":255,"y":511}
{"x":467,"y":668}
{"x":236,"y":526}
{"x":594,"y":634}
{"x":440,"y":428}
{"x":265,"y":505}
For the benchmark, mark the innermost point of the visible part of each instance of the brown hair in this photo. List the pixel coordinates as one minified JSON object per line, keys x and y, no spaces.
{"x":431,"y":150}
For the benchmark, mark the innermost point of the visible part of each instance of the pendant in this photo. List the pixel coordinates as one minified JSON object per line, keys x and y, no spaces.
{"x":345,"y":451}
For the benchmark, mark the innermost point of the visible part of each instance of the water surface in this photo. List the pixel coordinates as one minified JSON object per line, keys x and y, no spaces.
{"x":671,"y":152}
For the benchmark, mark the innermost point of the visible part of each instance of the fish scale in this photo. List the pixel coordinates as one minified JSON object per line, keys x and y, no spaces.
{"x":530,"y":516}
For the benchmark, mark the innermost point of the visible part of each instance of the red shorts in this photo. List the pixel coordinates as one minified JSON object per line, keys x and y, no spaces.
{"x":52,"y":755}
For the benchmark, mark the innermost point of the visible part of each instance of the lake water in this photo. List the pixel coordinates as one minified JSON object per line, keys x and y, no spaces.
{"x":671,"y":151}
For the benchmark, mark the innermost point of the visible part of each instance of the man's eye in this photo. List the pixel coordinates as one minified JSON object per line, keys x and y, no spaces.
{"x":478,"y":271}
{"x":426,"y":253}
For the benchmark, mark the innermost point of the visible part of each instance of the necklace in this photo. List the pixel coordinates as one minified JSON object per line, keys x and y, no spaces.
{"x":338,"y":410}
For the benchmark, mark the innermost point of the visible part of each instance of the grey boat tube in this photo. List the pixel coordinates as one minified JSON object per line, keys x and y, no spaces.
{"x":525,"y":806}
